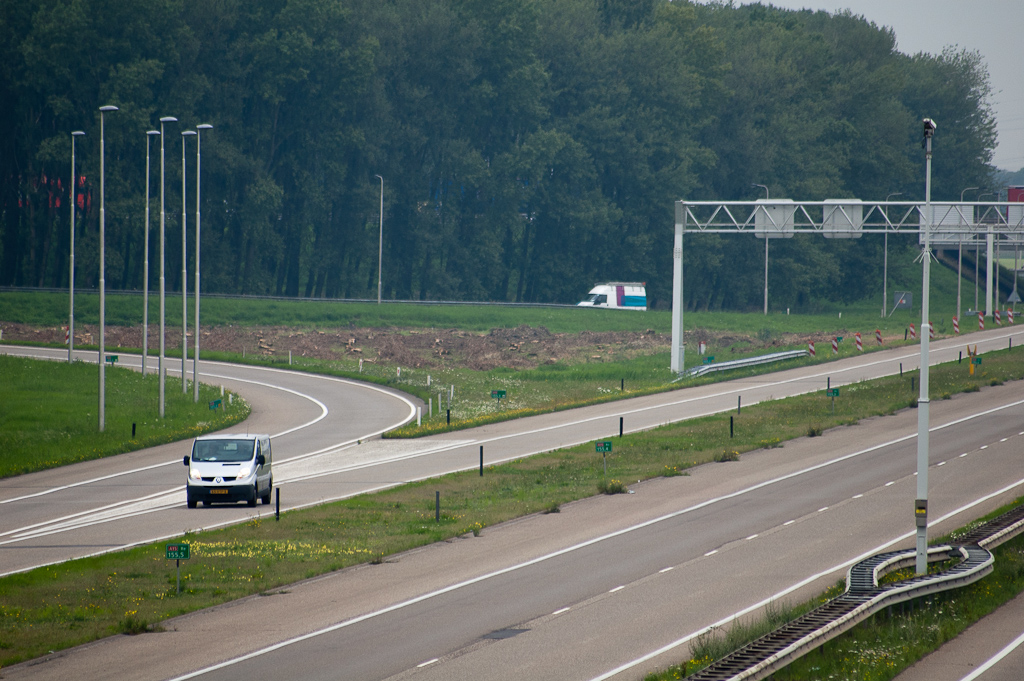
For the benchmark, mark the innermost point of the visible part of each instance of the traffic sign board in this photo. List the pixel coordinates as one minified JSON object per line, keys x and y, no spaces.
{"x":976,"y":360}
{"x":178,"y":552}
{"x":497,"y":394}
{"x":832,"y":392}
{"x":603,"y":446}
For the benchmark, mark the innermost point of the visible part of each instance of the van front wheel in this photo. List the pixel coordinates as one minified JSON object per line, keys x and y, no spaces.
{"x":255,"y":494}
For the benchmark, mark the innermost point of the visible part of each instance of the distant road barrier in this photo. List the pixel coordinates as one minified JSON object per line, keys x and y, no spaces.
{"x":747,"y":362}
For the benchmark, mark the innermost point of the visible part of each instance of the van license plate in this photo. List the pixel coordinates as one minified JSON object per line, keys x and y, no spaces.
{"x":218,"y":491}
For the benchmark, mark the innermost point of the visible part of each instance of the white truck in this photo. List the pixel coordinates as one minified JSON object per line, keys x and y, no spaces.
{"x":617,"y":295}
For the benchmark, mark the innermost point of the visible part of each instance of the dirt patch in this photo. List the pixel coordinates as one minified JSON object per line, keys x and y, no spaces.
{"x":521,"y":347}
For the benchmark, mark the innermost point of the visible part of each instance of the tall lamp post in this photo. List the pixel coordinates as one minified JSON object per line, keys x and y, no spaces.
{"x":71,"y":275}
{"x":163,"y":307}
{"x":145,"y":264}
{"x":960,"y":250}
{"x":380,"y":247}
{"x":921,"y":503}
{"x":195,"y":355}
{"x":103,"y":283}
{"x":885,"y":267}
{"x":766,"y":197}
{"x":184,"y":278}
{"x":988,"y":266}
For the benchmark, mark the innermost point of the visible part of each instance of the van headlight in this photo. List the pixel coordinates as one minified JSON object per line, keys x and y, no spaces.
{"x":245,"y":471}
{"x":194,"y":474}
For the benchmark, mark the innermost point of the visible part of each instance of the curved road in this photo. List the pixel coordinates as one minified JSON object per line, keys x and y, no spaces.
{"x":610,"y":584}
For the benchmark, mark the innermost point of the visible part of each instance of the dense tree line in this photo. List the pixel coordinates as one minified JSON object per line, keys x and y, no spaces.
{"x":528,"y":148}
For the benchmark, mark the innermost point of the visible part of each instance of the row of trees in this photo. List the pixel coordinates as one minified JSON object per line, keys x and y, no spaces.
{"x":528,"y":147}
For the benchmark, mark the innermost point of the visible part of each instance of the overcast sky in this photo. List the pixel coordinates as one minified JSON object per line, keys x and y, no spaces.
{"x":992,"y":27}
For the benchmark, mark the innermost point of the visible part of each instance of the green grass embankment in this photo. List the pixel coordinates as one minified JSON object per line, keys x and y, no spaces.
{"x":64,"y":605}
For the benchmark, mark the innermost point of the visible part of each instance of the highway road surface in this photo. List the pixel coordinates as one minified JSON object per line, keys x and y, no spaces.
{"x":612,"y":586}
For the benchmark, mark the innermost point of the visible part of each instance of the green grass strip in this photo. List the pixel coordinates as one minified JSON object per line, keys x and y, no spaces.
{"x":63,"y":605}
{"x":50,"y":415}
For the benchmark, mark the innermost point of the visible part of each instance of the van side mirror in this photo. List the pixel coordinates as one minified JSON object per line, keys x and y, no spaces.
{"x":186,"y":461}
{"x":260,"y":460}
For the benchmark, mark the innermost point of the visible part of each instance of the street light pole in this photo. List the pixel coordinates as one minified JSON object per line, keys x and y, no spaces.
{"x":766,"y":197}
{"x":163,"y":244}
{"x":885,"y":258}
{"x":960,"y":250}
{"x":71,"y":275}
{"x":184,"y":278}
{"x":103,"y":283}
{"x":195,"y":355}
{"x":989,"y":242}
{"x":380,"y":248}
{"x":921,"y":503}
{"x":145,"y":265}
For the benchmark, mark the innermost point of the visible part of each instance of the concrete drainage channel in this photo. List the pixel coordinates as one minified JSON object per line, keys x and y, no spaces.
{"x":863,"y":598}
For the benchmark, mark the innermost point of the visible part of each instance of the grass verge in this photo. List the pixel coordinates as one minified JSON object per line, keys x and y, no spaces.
{"x":59,"y":606}
{"x":50,"y":418}
{"x":881,"y":647}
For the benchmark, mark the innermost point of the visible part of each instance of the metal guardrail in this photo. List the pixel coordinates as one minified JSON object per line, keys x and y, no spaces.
{"x":702,"y":369}
{"x":863,"y":598}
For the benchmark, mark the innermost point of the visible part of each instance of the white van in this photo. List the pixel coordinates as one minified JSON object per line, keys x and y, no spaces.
{"x":229,"y":468}
{"x":617,"y":294}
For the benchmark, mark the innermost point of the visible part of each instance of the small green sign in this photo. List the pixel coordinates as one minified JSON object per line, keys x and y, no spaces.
{"x":832,"y":392}
{"x":709,"y":359}
{"x":603,"y":446}
{"x":178,"y":552}
{"x":497,"y":394}
{"x":214,"y":405}
{"x":111,"y":359}
{"x":976,"y":360}
{"x":839,"y":338}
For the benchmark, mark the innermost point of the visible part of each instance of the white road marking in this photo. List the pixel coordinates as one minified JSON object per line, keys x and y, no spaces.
{"x":711,"y":553}
{"x":775,"y":598}
{"x":668,"y":569}
{"x":559,"y":612}
{"x":858,"y":496}
{"x":823,"y":508}
{"x":427,"y":663}
{"x":618,"y":588}
{"x":992,"y":661}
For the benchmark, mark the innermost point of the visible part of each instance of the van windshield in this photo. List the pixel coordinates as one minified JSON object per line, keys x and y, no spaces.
{"x":222,"y":450}
{"x":596,"y":298}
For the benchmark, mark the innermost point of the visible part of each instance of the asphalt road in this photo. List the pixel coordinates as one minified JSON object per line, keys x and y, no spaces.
{"x":611,"y":583}
{"x":105,"y":505}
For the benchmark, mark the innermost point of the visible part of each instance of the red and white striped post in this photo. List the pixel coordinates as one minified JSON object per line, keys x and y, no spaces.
{"x":998,"y":318}
{"x":956,"y":325}
{"x":835,"y":346}
{"x":860,"y":344}
{"x":981,"y":321}
{"x":1009,"y":316}
{"x":810,"y":348}
{"x":878,"y":336}
{"x":913,"y":332}
{"x":931,"y":330}
{"x":67,"y":335}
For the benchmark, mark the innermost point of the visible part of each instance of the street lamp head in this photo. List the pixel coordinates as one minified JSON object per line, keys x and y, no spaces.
{"x":168,"y":119}
{"x":929,"y":127}
{"x":77,"y":133}
{"x":204,"y":126}
{"x":889,"y":196}
{"x":152,"y":132}
{"x":186,"y":133}
{"x":108,"y":108}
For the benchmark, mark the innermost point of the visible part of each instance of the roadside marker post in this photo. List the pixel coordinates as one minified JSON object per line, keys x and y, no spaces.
{"x":981,"y":321}
{"x":998,"y":318}
{"x":956,"y":325}
{"x":481,"y":461}
{"x":931,"y":330}
{"x":913,"y":332}
{"x":835,"y":346}
{"x":178,"y":553}
{"x":497,"y":395}
{"x":603,"y":447}
{"x":833,"y":393}
{"x":810,"y":348}
{"x":860,"y":343}
{"x":878,"y":336}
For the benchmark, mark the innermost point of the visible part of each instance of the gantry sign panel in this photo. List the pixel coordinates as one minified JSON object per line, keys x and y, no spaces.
{"x":951,"y":224}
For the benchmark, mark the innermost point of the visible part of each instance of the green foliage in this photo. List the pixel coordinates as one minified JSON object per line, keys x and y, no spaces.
{"x":50,"y":414}
{"x":527,"y":149}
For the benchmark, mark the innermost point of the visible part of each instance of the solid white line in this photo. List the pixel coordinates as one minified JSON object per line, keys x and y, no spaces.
{"x":774,"y":598}
{"x":992,"y":661}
